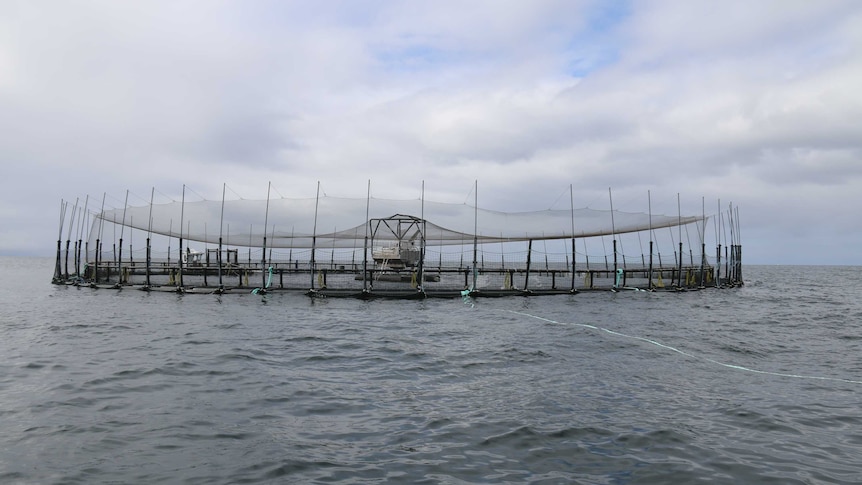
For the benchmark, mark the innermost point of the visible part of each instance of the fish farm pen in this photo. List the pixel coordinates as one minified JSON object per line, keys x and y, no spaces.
{"x":370,"y":247}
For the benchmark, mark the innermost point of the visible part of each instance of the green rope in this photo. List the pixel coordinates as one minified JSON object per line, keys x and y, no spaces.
{"x":268,"y":283}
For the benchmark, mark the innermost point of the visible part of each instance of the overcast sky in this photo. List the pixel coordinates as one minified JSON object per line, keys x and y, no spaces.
{"x":758,"y":103}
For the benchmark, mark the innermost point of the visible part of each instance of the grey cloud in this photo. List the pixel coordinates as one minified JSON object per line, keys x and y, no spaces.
{"x":755,"y":102}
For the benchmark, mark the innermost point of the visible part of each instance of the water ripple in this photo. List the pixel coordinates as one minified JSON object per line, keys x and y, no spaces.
{"x":128,"y":387}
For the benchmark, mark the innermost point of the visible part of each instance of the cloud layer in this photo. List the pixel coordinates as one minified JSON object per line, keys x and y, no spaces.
{"x":751,"y":102}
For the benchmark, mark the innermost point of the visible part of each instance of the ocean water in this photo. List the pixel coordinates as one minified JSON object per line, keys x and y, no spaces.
{"x":758,"y":384}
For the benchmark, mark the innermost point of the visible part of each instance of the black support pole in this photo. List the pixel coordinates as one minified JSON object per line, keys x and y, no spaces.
{"x":529,"y":254}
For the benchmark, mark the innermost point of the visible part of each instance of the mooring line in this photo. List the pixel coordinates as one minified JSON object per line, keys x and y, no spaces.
{"x":687,"y":354}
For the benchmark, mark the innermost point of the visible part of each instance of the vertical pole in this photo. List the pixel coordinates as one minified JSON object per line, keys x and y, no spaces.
{"x":572,"y":207}
{"x":98,"y":258}
{"x":220,"y":234}
{"x":99,"y":238}
{"x":732,"y":245}
{"x":718,"y":222}
{"x":702,"y":241}
{"x":131,"y":237}
{"x":290,"y":252}
{"x":114,"y":254}
{"x":529,"y":257}
{"x":147,"y":264}
{"x":739,"y":245}
{"x":75,"y":251}
{"x":113,"y":250}
{"x":263,"y":248}
{"x":641,"y":245}
{"x":718,"y":265}
{"x":83,"y":222}
{"x":731,"y":260}
{"x":440,"y":257}
{"x":69,"y":237}
{"x":679,"y":227}
{"x":314,"y":234}
{"x":75,"y":242}
{"x":422,"y":244}
{"x":649,"y":280}
{"x":475,"y":233}
{"x":271,"y":244}
{"x":690,"y":246}
{"x":170,"y":233}
{"x":365,"y":244}
{"x":726,"y":261}
{"x":122,"y":229}
{"x":206,"y":264}
{"x":149,"y":235}
{"x":206,"y":269}
{"x":65,"y":272}
{"x":57,"y":271}
{"x":673,"y":246}
{"x":724,"y":240}
{"x":586,"y":254}
{"x":613,"y":230}
{"x":649,"y":208}
{"x":502,"y":253}
{"x":182,"y":217}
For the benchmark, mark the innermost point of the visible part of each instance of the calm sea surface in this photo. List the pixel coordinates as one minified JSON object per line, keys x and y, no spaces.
{"x":759,"y":384}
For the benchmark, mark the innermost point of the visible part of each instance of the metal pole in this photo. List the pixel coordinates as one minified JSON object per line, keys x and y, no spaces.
{"x":529,"y":254}
{"x":69,"y":237}
{"x":220,"y":226}
{"x":572,"y":207}
{"x":83,"y":222}
{"x":263,"y":249}
{"x":475,"y":233}
{"x":122,"y":228}
{"x":422,"y":244}
{"x":57,"y":271}
{"x":314,"y":234}
{"x":679,"y":227}
{"x":182,"y":216}
{"x":149,"y":234}
{"x":99,"y":238}
{"x":613,"y":230}
{"x":739,"y":246}
{"x":649,"y":206}
{"x":365,"y":244}
{"x":703,"y":241}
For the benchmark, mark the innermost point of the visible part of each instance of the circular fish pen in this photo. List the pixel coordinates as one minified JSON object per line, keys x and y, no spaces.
{"x":384,"y":248}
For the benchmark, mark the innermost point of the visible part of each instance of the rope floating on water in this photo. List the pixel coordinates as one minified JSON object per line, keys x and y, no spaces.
{"x":687,"y":354}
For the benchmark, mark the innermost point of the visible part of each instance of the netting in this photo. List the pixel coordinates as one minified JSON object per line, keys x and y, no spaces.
{"x":345,"y":222}
{"x":356,"y":245}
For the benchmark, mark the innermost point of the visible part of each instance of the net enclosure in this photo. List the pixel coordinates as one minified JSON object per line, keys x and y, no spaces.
{"x":343,"y":222}
{"x":347,"y":245}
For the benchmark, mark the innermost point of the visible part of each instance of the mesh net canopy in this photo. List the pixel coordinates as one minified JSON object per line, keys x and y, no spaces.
{"x":336,"y":222}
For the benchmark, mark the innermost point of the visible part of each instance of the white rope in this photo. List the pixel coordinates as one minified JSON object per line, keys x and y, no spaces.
{"x":682,"y":352}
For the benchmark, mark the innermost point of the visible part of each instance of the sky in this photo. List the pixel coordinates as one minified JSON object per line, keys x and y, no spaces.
{"x":698,"y":103}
